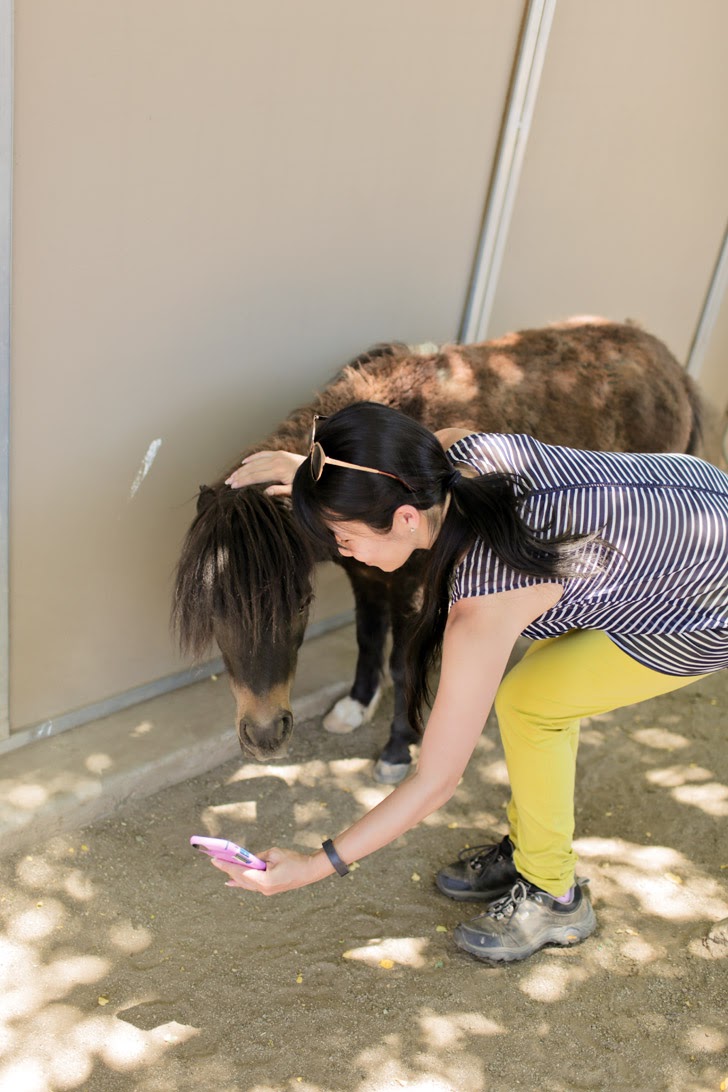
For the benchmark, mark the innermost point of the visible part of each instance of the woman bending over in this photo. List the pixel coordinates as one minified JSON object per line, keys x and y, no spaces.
{"x":615,"y":564}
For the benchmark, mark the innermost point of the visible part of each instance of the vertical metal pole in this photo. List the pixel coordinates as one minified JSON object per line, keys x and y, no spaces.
{"x":519,"y":112}
{"x":709,"y":314}
{"x":6,"y":202}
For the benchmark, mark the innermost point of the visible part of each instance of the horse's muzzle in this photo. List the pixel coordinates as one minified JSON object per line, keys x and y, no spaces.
{"x":264,"y":741}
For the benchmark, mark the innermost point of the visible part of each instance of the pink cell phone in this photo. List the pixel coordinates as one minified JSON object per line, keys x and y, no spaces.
{"x":227,"y":851}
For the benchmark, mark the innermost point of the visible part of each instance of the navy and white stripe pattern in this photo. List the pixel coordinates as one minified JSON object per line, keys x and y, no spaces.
{"x":662,"y":596}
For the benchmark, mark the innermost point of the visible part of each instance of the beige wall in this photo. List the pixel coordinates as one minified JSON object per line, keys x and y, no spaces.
{"x":215,"y":206}
{"x":218,"y":204}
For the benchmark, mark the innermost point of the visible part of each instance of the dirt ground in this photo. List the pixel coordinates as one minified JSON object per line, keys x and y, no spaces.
{"x":126,"y":964}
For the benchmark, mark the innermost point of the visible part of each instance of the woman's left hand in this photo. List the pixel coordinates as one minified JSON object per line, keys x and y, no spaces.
{"x":267,"y":466}
{"x":286,"y":871}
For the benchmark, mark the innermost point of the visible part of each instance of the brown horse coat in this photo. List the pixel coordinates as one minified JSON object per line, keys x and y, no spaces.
{"x":244,"y":576}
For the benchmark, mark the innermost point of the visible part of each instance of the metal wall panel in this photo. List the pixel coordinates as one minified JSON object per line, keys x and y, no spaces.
{"x":622,"y":200}
{"x":216,"y":205}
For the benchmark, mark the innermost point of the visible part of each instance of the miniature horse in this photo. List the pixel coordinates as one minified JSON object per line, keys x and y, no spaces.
{"x":245,"y":576}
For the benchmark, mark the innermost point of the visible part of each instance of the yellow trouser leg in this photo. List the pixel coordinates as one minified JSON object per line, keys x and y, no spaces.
{"x":540,"y":704}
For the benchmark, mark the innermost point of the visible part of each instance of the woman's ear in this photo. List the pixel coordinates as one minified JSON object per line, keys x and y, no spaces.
{"x":407,"y":519}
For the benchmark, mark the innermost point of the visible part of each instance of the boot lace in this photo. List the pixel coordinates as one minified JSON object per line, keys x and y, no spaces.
{"x":506,"y":906}
{"x":479,"y":857}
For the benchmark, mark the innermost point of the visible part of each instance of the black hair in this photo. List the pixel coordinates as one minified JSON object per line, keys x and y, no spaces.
{"x":374,"y":436}
{"x":489,"y":507}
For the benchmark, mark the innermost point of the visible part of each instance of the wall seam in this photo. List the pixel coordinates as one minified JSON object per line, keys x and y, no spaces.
{"x":507,"y":172}
{"x":710,"y":310}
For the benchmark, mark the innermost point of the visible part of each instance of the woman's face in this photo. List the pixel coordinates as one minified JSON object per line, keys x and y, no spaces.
{"x":384,"y":550}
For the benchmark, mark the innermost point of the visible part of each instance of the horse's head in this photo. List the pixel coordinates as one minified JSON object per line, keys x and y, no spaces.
{"x":244,"y":579}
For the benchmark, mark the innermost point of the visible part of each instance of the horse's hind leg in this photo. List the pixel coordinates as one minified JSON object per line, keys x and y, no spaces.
{"x":395,"y":761}
{"x":372,"y":623}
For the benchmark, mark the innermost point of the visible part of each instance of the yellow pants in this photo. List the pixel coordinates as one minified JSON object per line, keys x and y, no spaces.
{"x":540,"y":703}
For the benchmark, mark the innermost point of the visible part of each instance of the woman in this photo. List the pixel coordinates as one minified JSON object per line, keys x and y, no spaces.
{"x":614,"y":563}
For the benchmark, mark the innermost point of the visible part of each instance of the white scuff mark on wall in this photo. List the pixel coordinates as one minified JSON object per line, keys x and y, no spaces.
{"x":145,"y":467}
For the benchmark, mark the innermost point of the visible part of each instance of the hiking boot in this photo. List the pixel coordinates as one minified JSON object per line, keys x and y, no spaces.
{"x":525,"y":920}
{"x":482,"y":872}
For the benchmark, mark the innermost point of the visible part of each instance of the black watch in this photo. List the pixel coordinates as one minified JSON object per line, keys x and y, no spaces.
{"x":333,"y":856}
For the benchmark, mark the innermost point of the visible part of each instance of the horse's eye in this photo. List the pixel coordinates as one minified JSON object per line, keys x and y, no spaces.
{"x":305,"y":604}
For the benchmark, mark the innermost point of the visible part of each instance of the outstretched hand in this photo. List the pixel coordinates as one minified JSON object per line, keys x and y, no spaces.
{"x":286,"y":871}
{"x":278,"y":467}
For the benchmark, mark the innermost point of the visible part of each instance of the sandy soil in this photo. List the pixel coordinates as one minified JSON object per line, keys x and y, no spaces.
{"x":126,"y":963}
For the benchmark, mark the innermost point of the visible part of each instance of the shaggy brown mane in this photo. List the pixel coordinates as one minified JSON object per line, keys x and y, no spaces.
{"x":242,"y":563}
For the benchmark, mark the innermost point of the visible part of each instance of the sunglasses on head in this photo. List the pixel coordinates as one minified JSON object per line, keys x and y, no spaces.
{"x":318,"y":458}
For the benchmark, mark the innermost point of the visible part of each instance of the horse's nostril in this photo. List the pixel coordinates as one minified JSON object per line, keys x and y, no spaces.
{"x":249,"y":732}
{"x":261,"y":739}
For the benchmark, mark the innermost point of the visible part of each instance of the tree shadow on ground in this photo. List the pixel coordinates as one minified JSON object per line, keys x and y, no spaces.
{"x":127,"y":964}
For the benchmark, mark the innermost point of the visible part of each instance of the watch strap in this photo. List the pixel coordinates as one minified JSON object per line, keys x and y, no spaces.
{"x":333,"y":856}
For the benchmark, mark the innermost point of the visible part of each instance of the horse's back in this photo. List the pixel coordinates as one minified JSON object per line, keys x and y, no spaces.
{"x":586,"y":383}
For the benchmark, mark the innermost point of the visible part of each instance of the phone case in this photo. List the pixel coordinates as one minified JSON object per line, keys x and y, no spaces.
{"x":227,"y":851}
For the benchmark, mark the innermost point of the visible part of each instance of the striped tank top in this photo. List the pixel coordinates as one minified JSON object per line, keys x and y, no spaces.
{"x":662,"y":595}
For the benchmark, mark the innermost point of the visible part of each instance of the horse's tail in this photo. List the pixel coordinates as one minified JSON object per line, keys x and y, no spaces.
{"x":243,"y":564}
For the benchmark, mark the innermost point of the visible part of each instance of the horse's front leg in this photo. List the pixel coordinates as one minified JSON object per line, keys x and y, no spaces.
{"x":395,"y":761}
{"x":372,"y":623}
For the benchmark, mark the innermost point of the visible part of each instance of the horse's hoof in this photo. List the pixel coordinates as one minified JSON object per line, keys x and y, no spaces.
{"x":391,"y":773}
{"x":348,"y":714}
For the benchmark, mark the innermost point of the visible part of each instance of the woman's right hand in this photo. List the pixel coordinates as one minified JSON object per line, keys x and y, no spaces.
{"x":267,"y":466}
{"x":286,"y":871}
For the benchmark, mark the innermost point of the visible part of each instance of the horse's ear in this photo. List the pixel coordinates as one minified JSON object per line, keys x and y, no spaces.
{"x":204,"y":498}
